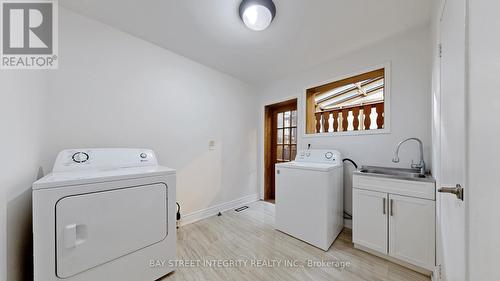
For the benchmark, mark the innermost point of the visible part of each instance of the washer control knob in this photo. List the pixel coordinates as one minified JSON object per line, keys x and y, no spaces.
{"x":144,"y":155}
{"x":328,"y":155}
{"x":80,"y":157}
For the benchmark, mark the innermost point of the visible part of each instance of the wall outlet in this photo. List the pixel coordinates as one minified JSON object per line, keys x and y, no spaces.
{"x":211,"y":145}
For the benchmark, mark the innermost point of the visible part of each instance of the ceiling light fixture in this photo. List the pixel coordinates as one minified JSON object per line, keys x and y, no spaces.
{"x":257,"y":14}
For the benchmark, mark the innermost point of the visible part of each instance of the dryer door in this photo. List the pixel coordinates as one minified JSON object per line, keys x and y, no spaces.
{"x":96,"y":228}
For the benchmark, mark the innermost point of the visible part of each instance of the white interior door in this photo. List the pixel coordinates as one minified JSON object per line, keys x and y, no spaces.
{"x":451,"y":228}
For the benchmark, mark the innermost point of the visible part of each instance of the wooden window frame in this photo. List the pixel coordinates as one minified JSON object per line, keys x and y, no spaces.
{"x":309,"y":110}
{"x":290,"y":144}
{"x":269,"y":149}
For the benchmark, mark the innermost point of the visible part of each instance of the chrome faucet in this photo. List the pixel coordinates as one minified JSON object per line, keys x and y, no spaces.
{"x":420,"y":165}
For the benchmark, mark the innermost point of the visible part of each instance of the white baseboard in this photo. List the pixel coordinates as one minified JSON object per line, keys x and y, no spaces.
{"x":214,"y":210}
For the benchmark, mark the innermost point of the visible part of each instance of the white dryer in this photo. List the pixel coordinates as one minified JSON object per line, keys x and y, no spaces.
{"x":310,"y":196}
{"x":104,"y":214}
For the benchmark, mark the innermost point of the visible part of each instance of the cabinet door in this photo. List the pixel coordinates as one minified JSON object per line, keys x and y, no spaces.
{"x":369,"y":219}
{"x":411,"y":230}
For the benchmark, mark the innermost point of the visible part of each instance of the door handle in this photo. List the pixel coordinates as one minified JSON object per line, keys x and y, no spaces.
{"x":74,"y":235}
{"x":458,"y":190}
{"x":390,"y":206}
{"x":383,"y":206}
{"x":70,"y":236}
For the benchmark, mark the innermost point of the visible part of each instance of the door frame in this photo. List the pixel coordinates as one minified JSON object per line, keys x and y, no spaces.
{"x":268,"y":137}
{"x":443,"y":263}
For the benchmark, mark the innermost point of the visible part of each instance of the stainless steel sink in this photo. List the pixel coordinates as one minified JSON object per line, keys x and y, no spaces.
{"x":396,"y":173}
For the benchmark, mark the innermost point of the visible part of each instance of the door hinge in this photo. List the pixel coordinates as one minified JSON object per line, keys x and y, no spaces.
{"x":440,"y":50}
{"x":438,"y":273}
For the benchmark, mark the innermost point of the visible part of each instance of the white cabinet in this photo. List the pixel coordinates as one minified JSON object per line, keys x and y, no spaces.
{"x":370,"y":226}
{"x":393,"y":222}
{"x":411,"y":230}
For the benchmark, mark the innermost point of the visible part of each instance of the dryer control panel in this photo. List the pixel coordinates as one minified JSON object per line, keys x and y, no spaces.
{"x":103,"y":158}
{"x":319,"y":155}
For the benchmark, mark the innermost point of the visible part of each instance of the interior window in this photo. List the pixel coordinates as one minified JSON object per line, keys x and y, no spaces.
{"x":352,"y":104}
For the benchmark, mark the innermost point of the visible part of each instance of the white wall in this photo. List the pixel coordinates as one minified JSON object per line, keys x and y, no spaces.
{"x":114,"y":90}
{"x":409,"y":55}
{"x":22,"y":98}
{"x":483,"y":149}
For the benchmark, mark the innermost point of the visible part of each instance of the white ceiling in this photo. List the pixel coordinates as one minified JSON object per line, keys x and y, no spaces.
{"x":303,"y":34}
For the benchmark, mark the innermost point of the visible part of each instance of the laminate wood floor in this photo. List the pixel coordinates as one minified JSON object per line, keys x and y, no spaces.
{"x":250,"y":236}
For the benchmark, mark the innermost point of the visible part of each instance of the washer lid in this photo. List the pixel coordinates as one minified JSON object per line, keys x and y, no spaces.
{"x":323,"y":167}
{"x":60,"y":179}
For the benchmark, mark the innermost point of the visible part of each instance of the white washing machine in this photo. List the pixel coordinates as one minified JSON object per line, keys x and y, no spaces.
{"x":104,"y":214}
{"x":310,"y":196}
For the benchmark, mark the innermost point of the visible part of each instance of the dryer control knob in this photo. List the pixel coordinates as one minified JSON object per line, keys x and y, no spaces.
{"x":328,"y":155}
{"x":80,"y":157}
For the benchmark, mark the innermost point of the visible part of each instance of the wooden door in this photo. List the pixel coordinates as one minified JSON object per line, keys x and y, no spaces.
{"x":369,"y":226}
{"x":280,"y":140}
